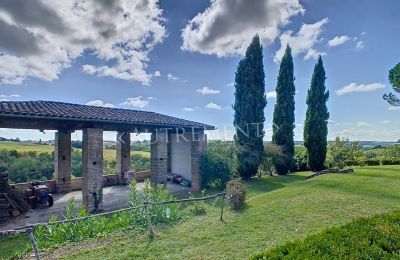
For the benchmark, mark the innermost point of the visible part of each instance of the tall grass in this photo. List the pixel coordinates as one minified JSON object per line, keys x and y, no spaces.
{"x":56,"y":234}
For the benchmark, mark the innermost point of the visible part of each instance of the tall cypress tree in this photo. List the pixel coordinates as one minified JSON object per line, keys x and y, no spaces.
{"x":283,"y":121}
{"x":316,"y":123}
{"x":249,"y":107}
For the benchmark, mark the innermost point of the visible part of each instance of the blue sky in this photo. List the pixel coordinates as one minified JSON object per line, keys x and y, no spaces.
{"x":182,"y":57}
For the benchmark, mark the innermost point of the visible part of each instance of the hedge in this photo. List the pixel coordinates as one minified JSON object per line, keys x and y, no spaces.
{"x":375,"y":237}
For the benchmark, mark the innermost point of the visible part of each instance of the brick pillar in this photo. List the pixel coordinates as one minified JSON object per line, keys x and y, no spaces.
{"x":159,"y":156}
{"x":92,"y":160}
{"x":199,"y":146}
{"x":62,"y":161}
{"x":123,"y":155}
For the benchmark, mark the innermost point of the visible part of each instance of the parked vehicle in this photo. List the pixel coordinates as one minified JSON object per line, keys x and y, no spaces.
{"x":39,"y":194}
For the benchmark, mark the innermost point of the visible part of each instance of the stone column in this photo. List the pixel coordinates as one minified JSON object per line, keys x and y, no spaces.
{"x":62,"y":161}
{"x":199,"y":146}
{"x":92,"y":160}
{"x":159,"y":156}
{"x":123,"y":155}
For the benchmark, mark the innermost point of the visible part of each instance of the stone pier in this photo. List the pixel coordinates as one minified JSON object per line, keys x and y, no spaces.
{"x":123,"y":155}
{"x":92,"y":178}
{"x":62,"y":161}
{"x":198,"y":148}
{"x":159,"y":155}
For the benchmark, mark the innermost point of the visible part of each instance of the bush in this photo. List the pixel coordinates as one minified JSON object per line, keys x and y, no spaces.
{"x":218,"y":164}
{"x":300,"y":159}
{"x":236,"y":194}
{"x":365,"y":238}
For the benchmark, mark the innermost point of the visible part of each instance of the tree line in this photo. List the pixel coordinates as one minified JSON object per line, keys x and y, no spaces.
{"x":250,"y":101}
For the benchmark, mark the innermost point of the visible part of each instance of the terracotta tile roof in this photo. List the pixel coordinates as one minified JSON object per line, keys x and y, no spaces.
{"x":59,"y":110}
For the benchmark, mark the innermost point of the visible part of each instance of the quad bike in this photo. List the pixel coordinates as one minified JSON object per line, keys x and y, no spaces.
{"x":38,"y":194}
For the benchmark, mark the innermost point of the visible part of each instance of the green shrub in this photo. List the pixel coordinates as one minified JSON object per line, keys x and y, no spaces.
{"x":376,"y":237}
{"x":218,"y":164}
{"x":198,"y":207}
{"x":236,"y":194}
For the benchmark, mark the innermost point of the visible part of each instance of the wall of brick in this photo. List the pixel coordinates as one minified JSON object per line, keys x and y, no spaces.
{"x":199,"y":146}
{"x":159,"y":156}
{"x":62,"y":161}
{"x":92,"y":178}
{"x":123,"y":154}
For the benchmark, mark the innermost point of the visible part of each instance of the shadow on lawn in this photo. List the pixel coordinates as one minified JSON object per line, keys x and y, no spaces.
{"x":256,"y":186}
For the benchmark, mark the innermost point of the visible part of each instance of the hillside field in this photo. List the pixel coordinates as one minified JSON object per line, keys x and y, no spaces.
{"x":109,"y":154}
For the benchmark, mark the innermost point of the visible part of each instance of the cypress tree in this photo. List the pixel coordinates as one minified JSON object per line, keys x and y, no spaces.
{"x":316,"y":123}
{"x":249,"y":107}
{"x":283,"y":120}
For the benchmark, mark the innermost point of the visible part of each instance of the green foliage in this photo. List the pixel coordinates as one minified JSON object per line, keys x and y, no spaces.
{"x":140,"y":162}
{"x":376,"y":237}
{"x":394,"y":79}
{"x":316,"y":123}
{"x":273,"y":155}
{"x":300,"y":160}
{"x":342,"y":152}
{"x":198,"y":207}
{"x":283,"y":120}
{"x":26,"y":166}
{"x":218,"y":165}
{"x":54,"y":235}
{"x":236,"y":194}
{"x":34,"y":166}
{"x":249,"y":107}
{"x":167,"y":214}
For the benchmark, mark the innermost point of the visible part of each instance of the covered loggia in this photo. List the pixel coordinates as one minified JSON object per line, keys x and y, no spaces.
{"x":176,"y":144}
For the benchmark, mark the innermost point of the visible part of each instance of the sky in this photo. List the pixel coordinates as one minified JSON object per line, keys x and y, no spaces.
{"x":179,"y":57}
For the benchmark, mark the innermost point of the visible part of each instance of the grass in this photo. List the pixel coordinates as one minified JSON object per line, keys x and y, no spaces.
{"x":376,"y":237}
{"x":109,"y":154}
{"x":280,"y":210}
{"x":14,"y":246}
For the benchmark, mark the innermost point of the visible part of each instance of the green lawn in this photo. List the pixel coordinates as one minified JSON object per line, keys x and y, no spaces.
{"x":280,"y":209}
{"x":109,"y":154}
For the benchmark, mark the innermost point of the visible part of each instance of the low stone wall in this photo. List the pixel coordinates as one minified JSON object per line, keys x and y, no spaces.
{"x":141,"y":176}
{"x":23,"y":186}
{"x":76,"y":183}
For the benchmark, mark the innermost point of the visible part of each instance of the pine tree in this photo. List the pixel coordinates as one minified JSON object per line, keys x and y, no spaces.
{"x":249,"y":107}
{"x":316,"y":123}
{"x":283,"y":120}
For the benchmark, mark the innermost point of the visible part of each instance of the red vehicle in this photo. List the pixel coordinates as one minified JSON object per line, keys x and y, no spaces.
{"x":39,"y":194}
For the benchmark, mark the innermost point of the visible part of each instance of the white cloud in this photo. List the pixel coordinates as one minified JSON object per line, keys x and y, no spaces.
{"x":213,"y":106}
{"x":271,"y":94}
{"x":230,"y":84}
{"x":353,"y":87}
{"x":207,"y":91}
{"x":338,"y":40}
{"x":172,"y":77}
{"x":157,"y":73}
{"x":226,"y":27}
{"x":188,"y":109}
{"x":303,"y":42}
{"x":45,"y":37}
{"x":136,"y":102}
{"x":360,"y":45}
{"x":9,"y":97}
{"x":385,"y":122}
{"x":393,"y":108}
{"x":99,"y":103}
{"x":363,"y":123}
